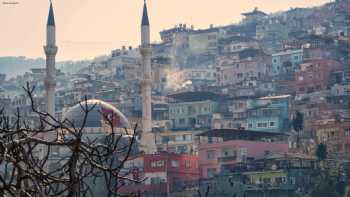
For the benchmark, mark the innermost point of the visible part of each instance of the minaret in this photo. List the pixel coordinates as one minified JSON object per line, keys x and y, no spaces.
{"x":50,"y":52}
{"x":147,"y":140}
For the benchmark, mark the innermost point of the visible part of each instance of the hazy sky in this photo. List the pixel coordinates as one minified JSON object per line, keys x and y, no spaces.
{"x":88,"y":28}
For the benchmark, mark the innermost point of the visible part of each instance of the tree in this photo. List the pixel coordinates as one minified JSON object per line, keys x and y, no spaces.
{"x":298,"y":122}
{"x":66,"y":164}
{"x":321,"y":152}
{"x":298,"y":125}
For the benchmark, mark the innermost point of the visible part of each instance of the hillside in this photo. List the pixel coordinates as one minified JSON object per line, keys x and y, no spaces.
{"x":13,"y":66}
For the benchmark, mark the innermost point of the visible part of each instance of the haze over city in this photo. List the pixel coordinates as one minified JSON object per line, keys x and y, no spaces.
{"x":181,"y":98}
{"x":88,"y":28}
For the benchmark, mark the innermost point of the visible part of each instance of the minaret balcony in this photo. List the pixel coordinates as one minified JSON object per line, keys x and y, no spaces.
{"x":145,"y":49}
{"x":51,"y":50}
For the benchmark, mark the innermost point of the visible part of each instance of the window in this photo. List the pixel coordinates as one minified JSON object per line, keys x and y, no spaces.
{"x":211,"y":154}
{"x":292,"y":180}
{"x":226,"y":152}
{"x":187,"y":164}
{"x":159,"y":163}
{"x":178,"y":138}
{"x":171,"y":149}
{"x":347,"y":132}
{"x":262,"y":124}
{"x":188,"y":137}
{"x":165,"y":139}
{"x":250,"y":125}
{"x":182,"y":149}
{"x":156,"y":180}
{"x":272,"y":124}
{"x":174,"y":164}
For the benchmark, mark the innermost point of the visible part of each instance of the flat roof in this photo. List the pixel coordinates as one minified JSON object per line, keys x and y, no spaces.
{"x":231,"y":134}
{"x":196,"y":96}
{"x":275,"y":97}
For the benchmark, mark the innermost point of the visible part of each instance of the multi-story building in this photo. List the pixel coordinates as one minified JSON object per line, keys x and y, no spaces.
{"x":221,"y":150}
{"x":286,"y":61}
{"x":276,"y":175}
{"x":122,"y":64}
{"x":246,"y":66}
{"x":169,"y":35}
{"x":204,"y":41}
{"x":181,"y":142}
{"x":161,"y":67}
{"x":164,"y":173}
{"x":340,"y":77}
{"x":254,"y":16}
{"x":192,"y":110}
{"x":269,"y":114}
{"x":335,"y":134}
{"x":234,"y":44}
{"x":314,"y":75}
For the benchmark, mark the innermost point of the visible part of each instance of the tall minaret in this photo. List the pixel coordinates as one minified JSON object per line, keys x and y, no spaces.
{"x":50,"y":51}
{"x":147,"y":140}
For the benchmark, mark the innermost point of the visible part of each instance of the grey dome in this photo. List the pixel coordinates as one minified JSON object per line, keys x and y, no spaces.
{"x":97,"y":115}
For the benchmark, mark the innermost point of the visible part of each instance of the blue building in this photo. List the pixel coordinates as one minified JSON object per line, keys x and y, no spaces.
{"x":269,"y":114}
{"x":286,"y":61}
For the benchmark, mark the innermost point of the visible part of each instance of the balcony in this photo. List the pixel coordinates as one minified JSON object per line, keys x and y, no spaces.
{"x":227,"y":159}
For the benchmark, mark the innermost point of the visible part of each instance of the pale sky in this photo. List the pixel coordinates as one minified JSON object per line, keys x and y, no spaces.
{"x":88,"y":28}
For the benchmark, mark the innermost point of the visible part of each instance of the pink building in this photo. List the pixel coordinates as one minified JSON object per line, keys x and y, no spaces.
{"x":221,"y":150}
{"x":244,"y":66}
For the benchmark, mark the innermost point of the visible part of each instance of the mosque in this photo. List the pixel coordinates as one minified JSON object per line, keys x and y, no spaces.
{"x":97,"y":123}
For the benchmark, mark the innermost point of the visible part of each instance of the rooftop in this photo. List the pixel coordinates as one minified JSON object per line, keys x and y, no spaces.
{"x":240,"y":134}
{"x":195,"y":96}
{"x":275,"y":97}
{"x":256,"y":11}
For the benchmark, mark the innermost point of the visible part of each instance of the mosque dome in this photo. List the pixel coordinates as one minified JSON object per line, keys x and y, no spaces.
{"x":97,"y":117}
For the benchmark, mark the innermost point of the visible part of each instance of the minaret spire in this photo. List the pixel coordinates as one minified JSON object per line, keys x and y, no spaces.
{"x":147,"y":140}
{"x":50,"y":52}
{"x":51,"y":17}
{"x":145,"y":20}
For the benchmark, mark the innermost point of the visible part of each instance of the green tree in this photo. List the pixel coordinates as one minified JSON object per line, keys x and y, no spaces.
{"x":298,"y":122}
{"x":321,"y":152}
{"x":298,"y":125}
